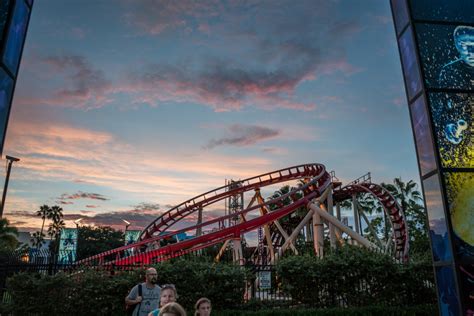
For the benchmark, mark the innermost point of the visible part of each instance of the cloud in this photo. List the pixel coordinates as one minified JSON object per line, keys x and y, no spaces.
{"x":275,"y":150}
{"x":156,"y":17}
{"x":83,"y":195}
{"x":73,"y":83}
{"x":218,"y":84}
{"x":264,"y":51}
{"x":64,"y":202}
{"x":147,"y":207}
{"x":244,"y":135}
{"x":56,"y":153}
{"x":92,"y":206}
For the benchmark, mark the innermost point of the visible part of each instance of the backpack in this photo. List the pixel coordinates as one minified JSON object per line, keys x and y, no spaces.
{"x":130,"y":308}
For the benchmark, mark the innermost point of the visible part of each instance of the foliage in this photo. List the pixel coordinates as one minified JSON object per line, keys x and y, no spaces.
{"x":223,"y":284}
{"x":419,"y":310}
{"x":411,"y":202}
{"x":89,"y":291}
{"x":54,"y":229}
{"x":55,"y":214}
{"x":331,"y":281}
{"x":8,"y":235}
{"x":94,"y":240}
{"x":83,"y":292}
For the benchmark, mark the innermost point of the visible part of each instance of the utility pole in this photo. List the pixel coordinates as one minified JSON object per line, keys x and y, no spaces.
{"x":11,"y":160}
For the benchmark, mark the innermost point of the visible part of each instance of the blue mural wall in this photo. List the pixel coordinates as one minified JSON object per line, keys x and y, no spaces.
{"x":14,"y":18}
{"x":436,"y":45}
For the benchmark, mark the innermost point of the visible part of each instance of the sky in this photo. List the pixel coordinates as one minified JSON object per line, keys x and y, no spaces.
{"x":126,"y":108}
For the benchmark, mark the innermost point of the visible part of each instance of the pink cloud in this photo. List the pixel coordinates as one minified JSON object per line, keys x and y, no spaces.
{"x":75,"y":84}
{"x":156,"y":17}
{"x":244,"y":135}
{"x":219,"y":87}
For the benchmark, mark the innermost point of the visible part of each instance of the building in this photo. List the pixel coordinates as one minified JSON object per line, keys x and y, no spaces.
{"x":436,"y":46}
{"x":14,"y":19}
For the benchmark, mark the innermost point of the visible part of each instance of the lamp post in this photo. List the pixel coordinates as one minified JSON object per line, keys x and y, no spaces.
{"x":77,"y":221}
{"x":127,"y":223}
{"x":11,"y":160}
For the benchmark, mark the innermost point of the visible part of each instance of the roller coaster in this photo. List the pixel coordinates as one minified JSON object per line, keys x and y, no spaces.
{"x":313,"y":200}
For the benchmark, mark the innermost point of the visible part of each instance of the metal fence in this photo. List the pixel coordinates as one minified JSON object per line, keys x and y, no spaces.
{"x":263,"y":284}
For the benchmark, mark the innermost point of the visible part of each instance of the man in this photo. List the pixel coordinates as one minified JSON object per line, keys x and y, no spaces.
{"x":150,"y":294}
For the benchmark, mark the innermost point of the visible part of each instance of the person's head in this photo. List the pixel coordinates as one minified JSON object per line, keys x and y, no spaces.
{"x":151,"y":276}
{"x":172,"y":309}
{"x":168,"y":294}
{"x":203,"y":307}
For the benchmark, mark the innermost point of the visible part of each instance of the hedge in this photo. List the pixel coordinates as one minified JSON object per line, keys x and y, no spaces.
{"x":356,"y":277}
{"x":90,"y":291}
{"x":349,"y":277}
{"x":420,"y":310}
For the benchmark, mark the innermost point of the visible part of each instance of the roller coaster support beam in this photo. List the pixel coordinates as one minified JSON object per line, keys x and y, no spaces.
{"x":199,"y":222}
{"x":295,"y":233}
{"x":332,"y":231}
{"x":276,"y":222}
{"x":285,"y":236}
{"x":356,"y":213}
{"x":369,"y":225}
{"x":318,"y":235}
{"x":237,"y":253}
{"x":221,"y":251}
{"x":338,"y":215}
{"x":266,"y":228}
{"x":338,"y":211}
{"x":361,"y":240}
{"x":318,"y":228}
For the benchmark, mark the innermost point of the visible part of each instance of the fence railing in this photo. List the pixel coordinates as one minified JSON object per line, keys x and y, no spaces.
{"x":263,"y":284}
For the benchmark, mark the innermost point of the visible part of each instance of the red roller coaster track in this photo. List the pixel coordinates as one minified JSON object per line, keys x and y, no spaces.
{"x":317,"y":180}
{"x":391,"y":208}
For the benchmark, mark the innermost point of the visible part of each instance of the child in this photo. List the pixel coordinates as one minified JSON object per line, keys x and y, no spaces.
{"x":172,"y":309}
{"x":168,"y":295}
{"x":203,"y":307}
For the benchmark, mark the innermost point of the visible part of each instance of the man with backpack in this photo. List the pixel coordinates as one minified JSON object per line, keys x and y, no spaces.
{"x":144,"y":297}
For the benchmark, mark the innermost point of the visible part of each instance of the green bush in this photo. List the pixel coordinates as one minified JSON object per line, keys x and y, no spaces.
{"x":222,"y":283}
{"x":349,"y":277}
{"x":81,"y":293}
{"x":89,"y":291}
{"x":420,"y":310}
{"x":355,"y":277}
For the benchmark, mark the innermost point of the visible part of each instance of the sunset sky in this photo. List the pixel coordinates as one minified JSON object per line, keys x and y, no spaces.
{"x":125,"y":108}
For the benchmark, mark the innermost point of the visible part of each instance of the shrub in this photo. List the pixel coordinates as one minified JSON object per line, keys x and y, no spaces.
{"x":421,"y":310}
{"x":90,"y":291}
{"x":355,"y":277}
{"x":222,"y":283}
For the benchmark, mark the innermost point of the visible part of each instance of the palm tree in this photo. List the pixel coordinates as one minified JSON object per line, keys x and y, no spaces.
{"x":44,"y":212}
{"x":55,"y":213}
{"x":37,"y":239}
{"x":8,"y":235}
{"x":411,"y":201}
{"x":405,"y":193}
{"x":54,"y":230}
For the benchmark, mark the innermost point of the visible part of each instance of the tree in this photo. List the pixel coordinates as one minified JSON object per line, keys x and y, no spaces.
{"x":405,"y":193}
{"x":44,"y":212}
{"x":54,"y":230}
{"x":94,"y":240}
{"x":411,"y":202}
{"x":38,"y":237}
{"x":8,"y":235}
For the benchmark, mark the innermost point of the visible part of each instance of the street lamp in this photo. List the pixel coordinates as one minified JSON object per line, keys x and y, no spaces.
{"x":11,"y":160}
{"x":127,"y":223}
{"x":77,"y":221}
